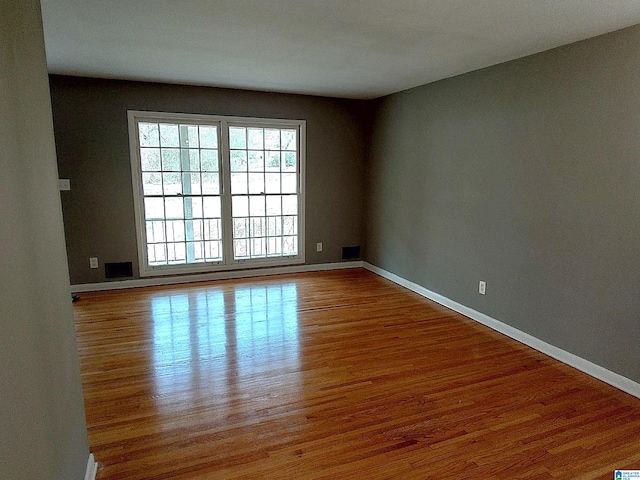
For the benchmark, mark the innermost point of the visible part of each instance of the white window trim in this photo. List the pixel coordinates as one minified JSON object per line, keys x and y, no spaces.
{"x":145,"y":270}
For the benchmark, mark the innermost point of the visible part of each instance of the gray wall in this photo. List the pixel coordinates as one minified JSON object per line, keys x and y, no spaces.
{"x":42,"y":424}
{"x":525,"y":175}
{"x":90,"y":118}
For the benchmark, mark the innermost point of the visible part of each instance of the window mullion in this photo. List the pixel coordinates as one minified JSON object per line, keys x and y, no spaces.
{"x":227,"y":221}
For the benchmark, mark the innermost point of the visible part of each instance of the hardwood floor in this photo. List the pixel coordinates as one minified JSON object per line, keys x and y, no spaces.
{"x":332,"y":375}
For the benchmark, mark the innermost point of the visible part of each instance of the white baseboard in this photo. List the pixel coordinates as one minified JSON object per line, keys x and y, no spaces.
{"x":226,"y":275}
{"x":92,"y":468}
{"x":607,"y":376}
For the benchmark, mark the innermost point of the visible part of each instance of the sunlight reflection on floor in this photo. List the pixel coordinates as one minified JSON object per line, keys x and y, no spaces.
{"x":208,"y":342}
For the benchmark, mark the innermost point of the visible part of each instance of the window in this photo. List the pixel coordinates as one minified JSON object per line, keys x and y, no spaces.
{"x":216,"y":193}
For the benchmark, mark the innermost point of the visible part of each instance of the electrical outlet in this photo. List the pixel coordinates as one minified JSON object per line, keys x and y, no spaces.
{"x":93,"y":262}
{"x":319,"y":247}
{"x":482,"y":287}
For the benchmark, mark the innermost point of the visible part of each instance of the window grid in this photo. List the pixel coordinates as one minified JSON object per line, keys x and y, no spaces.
{"x":264,"y":187}
{"x":181,"y":186}
{"x":200,"y":205}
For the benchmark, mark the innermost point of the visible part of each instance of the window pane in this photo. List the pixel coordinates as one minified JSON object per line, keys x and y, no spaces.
{"x":271,"y":139}
{"x":237,"y":137}
{"x":240,"y":206}
{"x":188,"y":207}
{"x":257,"y":227}
{"x":208,"y":136}
{"x":193,"y":230}
{"x":195,"y":252}
{"x":157,"y":254}
{"x":196,"y":207}
{"x":152,"y":183}
{"x":274,"y":246}
{"x":212,"y":230}
{"x":174,"y":207}
{"x":150,"y":159}
{"x":289,"y":161}
{"x":171,"y":183}
{"x":209,"y":159}
{"x":289,"y":183}
{"x":151,"y":254}
{"x":289,"y":204}
{"x":257,"y":206}
{"x":148,"y":134}
{"x":289,"y":225}
{"x":153,"y":208}
{"x":272,"y":183}
{"x":213,"y":251}
{"x":240,"y":229}
{"x":239,"y":183}
{"x":169,"y":136}
{"x":211,"y":207}
{"x":289,"y":140}
{"x":171,"y":160}
{"x":176,"y":253}
{"x":274,"y":205}
{"x":155,"y":232}
{"x":175,"y":231}
{"x":191,"y":183}
{"x":210,"y":184}
{"x":238,"y":161}
{"x":256,"y":161}
{"x":192,"y":140}
{"x":194,"y":160}
{"x":256,"y":138}
{"x":274,"y":226}
{"x":258,"y":247}
{"x":256,"y":183}
{"x":289,"y":246}
{"x":272,"y":161}
{"x":240,"y":248}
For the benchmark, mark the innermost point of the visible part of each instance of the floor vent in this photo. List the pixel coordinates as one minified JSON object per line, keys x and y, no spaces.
{"x":118,"y":269}
{"x":351,"y":253}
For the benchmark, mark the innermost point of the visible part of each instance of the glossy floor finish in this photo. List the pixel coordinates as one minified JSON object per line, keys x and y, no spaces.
{"x":332,"y":375}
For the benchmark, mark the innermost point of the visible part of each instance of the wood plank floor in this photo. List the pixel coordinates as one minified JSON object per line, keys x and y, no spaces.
{"x":332,"y":375}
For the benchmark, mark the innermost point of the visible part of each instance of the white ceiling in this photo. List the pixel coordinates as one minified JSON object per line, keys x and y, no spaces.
{"x":342,"y":48}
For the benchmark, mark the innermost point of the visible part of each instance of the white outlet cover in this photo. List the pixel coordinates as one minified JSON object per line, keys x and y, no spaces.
{"x":319,"y":246}
{"x":64,"y":184}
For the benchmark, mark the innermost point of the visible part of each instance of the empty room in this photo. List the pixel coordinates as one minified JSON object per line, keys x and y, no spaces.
{"x":320,"y":240}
